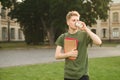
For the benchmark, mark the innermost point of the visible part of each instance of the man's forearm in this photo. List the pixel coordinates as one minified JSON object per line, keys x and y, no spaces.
{"x":94,"y":37}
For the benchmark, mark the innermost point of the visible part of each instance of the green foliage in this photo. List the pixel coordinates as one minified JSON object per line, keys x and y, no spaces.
{"x":29,"y":17}
{"x":8,"y":3}
{"x":48,"y":16}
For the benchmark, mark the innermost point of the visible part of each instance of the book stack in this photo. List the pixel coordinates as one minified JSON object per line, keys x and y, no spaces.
{"x":69,"y":45}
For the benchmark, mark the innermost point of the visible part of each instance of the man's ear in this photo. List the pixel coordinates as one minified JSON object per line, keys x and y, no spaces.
{"x":67,"y":22}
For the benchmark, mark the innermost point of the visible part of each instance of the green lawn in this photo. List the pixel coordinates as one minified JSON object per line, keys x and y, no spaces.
{"x":99,"y":69}
{"x":14,"y":45}
{"x":110,"y":44}
{"x":105,"y":68}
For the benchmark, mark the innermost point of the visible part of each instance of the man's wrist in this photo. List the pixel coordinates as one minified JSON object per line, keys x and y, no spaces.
{"x":87,"y":30}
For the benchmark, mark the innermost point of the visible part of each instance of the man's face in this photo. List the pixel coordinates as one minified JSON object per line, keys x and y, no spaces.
{"x":71,"y":22}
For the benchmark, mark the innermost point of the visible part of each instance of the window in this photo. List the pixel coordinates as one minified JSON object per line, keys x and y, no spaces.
{"x":3,"y":13}
{"x":115,"y":17}
{"x":103,"y":20}
{"x":93,"y":30}
{"x":12,"y":33}
{"x":104,"y":33}
{"x":4,"y":33}
{"x":115,"y":33}
{"x":19,"y":34}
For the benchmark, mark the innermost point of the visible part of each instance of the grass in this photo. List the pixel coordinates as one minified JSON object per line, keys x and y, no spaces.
{"x":14,"y":45}
{"x":99,"y":69}
{"x":105,"y":68}
{"x":110,"y":44}
{"x":51,"y":71}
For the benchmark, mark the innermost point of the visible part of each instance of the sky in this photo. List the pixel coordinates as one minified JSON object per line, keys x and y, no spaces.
{"x":19,"y":0}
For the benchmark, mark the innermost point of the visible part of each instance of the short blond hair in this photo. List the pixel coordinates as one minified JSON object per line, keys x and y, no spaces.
{"x":72,"y":13}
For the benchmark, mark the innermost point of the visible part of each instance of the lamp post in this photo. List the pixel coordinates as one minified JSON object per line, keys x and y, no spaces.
{"x":8,"y":29}
{"x":109,"y":23}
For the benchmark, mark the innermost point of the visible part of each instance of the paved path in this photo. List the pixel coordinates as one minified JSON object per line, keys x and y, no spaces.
{"x":36,"y":56}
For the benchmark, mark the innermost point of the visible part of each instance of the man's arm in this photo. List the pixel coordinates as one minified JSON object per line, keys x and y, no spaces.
{"x":93,"y":36}
{"x":60,"y":55}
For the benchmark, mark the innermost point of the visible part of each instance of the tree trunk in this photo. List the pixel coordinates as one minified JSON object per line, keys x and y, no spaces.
{"x":51,"y":35}
{"x":50,"y":32}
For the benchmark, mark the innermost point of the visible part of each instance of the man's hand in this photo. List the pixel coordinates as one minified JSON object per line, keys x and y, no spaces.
{"x":73,"y":54}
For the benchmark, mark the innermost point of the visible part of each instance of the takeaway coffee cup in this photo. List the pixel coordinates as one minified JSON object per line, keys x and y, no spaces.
{"x":80,"y":25}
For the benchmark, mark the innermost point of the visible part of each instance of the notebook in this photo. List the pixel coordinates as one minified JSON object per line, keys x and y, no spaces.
{"x":70,"y":44}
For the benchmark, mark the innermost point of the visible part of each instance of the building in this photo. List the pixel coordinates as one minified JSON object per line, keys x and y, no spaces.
{"x":9,"y":29}
{"x":106,"y":30}
{"x":109,"y":29}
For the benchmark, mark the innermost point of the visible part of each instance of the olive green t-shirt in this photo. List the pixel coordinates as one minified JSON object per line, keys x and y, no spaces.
{"x":74,"y":69}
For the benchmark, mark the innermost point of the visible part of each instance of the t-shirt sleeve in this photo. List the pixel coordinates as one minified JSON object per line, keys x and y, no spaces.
{"x":60,"y":40}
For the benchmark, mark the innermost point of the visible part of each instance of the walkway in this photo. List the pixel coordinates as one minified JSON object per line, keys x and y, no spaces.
{"x":36,"y":56}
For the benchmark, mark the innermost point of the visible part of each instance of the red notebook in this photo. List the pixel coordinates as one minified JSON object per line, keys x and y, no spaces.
{"x":70,"y":44}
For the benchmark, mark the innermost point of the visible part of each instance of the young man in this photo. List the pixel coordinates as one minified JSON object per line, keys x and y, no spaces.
{"x":76,"y":69}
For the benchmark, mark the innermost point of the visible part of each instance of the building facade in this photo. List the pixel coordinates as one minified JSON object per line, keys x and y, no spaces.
{"x":109,"y":29}
{"x":106,"y":30}
{"x":9,"y":29}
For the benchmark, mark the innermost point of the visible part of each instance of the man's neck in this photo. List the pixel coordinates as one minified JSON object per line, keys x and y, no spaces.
{"x":72,"y":31}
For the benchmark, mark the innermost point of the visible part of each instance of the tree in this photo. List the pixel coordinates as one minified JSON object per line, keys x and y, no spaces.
{"x":49,"y":15}
{"x":29,"y":17}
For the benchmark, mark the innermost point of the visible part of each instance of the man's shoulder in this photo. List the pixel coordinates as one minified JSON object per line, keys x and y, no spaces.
{"x":62,"y":35}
